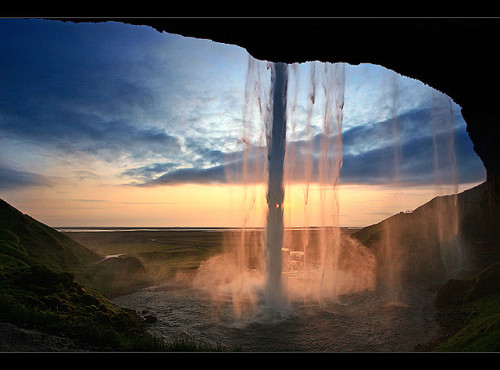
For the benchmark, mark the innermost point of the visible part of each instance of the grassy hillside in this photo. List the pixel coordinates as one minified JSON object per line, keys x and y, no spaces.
{"x":50,"y":282}
{"x":25,"y":240}
{"x":475,"y":304}
{"x":43,"y":285}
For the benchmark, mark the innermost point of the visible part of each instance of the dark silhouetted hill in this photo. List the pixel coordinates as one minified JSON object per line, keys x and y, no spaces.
{"x":415,"y":239}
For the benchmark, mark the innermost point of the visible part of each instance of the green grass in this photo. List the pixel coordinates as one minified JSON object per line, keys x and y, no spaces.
{"x":478,"y":301}
{"x":51,"y":281}
{"x":43,"y":287}
{"x":40,"y":243}
{"x":37,"y":297}
{"x":481,"y":332}
{"x":162,"y":253}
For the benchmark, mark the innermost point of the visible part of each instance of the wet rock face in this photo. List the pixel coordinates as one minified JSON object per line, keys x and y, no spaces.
{"x":455,"y":56}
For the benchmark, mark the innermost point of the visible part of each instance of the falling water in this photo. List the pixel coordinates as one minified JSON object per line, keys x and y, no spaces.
{"x":446,"y":181}
{"x":393,"y":253}
{"x":267,"y":271}
{"x":276,"y":144}
{"x":268,"y":268}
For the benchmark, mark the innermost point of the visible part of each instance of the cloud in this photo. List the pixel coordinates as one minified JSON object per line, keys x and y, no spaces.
{"x":110,"y":140}
{"x":60,"y":89}
{"x":236,"y":168}
{"x":418,"y":154}
{"x":415,"y":164}
{"x":370,"y":156}
{"x":125,"y":95}
{"x":11,"y":179}
{"x":90,"y":200}
{"x":215,"y":174}
{"x":77,"y":106}
{"x":83,"y":175}
{"x":148,"y":172}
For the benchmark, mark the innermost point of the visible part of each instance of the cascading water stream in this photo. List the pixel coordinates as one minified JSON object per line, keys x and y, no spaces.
{"x":265,"y":273}
{"x":446,"y":176}
{"x":276,"y":143}
{"x":323,"y":273}
{"x":393,"y":254}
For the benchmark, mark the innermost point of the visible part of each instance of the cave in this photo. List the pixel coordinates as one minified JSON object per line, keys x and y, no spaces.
{"x":456,"y":56}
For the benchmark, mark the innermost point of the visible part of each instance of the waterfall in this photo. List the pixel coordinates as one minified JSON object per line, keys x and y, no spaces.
{"x":264,"y":272}
{"x":446,"y":181}
{"x":276,"y":144}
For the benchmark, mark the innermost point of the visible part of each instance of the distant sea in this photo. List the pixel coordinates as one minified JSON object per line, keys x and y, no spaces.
{"x":88,"y":229}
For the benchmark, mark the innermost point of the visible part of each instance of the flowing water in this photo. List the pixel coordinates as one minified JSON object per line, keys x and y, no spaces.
{"x":452,"y":250}
{"x":275,"y":191}
{"x":301,"y":268}
{"x":360,"y":322}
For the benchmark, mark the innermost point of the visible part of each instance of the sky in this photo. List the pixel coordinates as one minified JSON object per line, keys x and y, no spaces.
{"x":111,"y":124}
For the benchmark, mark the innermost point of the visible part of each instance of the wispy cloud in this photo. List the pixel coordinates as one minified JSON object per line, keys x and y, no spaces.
{"x":210,"y":175}
{"x":115,"y":93}
{"x":90,"y":200}
{"x":11,"y":179}
{"x":83,"y":175}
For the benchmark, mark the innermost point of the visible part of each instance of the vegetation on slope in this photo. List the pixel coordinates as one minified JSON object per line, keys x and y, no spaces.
{"x":476,"y":302}
{"x":38,"y":289}
{"x":30,"y":240}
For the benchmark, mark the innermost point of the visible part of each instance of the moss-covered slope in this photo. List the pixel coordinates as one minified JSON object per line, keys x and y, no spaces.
{"x":26,"y":240}
{"x":476,"y":301}
{"x":38,"y":288}
{"x":468,"y":308}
